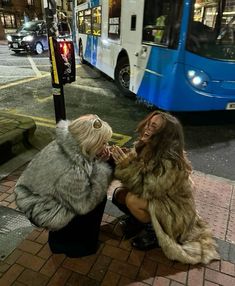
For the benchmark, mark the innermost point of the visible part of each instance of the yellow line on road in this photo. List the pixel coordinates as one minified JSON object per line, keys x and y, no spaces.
{"x":45,"y":124}
{"x":45,"y":99}
{"x":22,"y":81}
{"x":36,"y":118}
{"x":117,"y":138}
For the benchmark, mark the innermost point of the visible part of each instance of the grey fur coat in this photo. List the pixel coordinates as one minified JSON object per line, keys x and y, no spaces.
{"x":60,"y":183}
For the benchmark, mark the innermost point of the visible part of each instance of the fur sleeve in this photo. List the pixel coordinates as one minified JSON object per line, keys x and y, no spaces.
{"x":158,"y":185}
{"x":82,"y":193}
{"x":131,"y":173}
{"x":146,"y":182}
{"x":43,"y":211}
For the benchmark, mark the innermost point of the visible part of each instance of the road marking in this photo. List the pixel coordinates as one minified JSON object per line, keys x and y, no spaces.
{"x":24,"y":66}
{"x":42,"y":100}
{"x":34,"y":67}
{"x":22,"y":81}
{"x":117,"y":138}
{"x":93,"y":89}
{"x":26,"y":80}
{"x":14,"y":76}
{"x":45,"y":124}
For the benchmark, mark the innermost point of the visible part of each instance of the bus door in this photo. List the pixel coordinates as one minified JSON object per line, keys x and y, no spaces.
{"x":131,"y":33}
{"x":132,"y":19}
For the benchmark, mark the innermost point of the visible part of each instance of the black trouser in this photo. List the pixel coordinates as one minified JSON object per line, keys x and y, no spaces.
{"x":122,"y":207}
{"x":80,"y":236}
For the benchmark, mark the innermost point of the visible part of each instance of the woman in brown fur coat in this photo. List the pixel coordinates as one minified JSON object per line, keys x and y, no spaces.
{"x":158,"y":189}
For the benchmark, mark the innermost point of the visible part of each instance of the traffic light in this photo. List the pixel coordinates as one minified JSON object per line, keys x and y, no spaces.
{"x":63,"y":61}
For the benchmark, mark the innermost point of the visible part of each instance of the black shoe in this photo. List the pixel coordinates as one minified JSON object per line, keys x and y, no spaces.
{"x":130,"y":226}
{"x":146,"y":241}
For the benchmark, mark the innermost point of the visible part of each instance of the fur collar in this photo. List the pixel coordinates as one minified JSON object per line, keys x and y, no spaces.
{"x":68,"y":143}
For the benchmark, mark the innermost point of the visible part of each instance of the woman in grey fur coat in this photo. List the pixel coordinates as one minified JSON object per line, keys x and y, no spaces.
{"x":64,"y":187}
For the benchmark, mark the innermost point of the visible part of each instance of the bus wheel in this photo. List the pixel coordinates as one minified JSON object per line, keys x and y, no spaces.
{"x":80,"y":53}
{"x":122,"y":77}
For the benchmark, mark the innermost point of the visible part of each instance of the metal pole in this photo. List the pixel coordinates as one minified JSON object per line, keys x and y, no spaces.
{"x":52,"y":30}
{"x":74,"y":27}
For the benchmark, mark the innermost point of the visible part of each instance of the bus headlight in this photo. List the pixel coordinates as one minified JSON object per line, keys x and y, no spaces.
{"x":197,"y":78}
{"x":28,"y":38}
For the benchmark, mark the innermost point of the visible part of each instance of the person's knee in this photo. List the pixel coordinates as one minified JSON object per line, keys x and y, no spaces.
{"x":131,"y":202}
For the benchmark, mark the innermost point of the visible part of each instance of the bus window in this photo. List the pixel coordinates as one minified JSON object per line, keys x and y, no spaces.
{"x":161,"y":19}
{"x":114,"y":19}
{"x":87,"y":21}
{"x":96,"y":21}
{"x":81,"y":22}
{"x":211,"y":30}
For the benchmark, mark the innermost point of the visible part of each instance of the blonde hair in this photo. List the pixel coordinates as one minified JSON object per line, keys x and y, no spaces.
{"x":90,"y":132}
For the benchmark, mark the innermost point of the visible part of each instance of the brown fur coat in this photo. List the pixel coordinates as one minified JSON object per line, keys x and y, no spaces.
{"x":182,"y":234}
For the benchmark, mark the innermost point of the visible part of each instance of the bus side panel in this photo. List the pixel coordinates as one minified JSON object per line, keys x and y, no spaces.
{"x":182,"y":96}
{"x":155,"y":75}
{"x":221,"y":73}
{"x":107,"y":50}
{"x":131,"y":37}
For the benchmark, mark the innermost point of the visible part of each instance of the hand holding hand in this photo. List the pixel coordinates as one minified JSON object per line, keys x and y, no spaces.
{"x":105,"y":154}
{"x":118,"y":154}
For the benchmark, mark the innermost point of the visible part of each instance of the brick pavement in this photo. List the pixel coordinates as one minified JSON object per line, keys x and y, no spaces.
{"x":116,"y":263}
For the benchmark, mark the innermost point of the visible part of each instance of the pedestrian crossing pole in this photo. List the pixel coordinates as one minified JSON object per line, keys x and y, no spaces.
{"x":57,"y":85}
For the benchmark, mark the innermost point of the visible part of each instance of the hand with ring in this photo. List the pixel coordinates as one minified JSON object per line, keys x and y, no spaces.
{"x":118,"y":154}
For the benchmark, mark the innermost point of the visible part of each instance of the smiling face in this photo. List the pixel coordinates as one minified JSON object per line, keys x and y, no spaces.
{"x":151,"y":127}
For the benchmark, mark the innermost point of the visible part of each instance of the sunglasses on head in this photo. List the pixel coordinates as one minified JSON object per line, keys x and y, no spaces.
{"x":97,"y":123}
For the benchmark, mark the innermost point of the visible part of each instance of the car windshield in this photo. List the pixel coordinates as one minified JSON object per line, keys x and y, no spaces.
{"x":211,"y":30}
{"x":29,"y":27}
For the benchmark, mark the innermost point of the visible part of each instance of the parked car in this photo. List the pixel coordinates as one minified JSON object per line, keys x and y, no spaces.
{"x":32,"y":37}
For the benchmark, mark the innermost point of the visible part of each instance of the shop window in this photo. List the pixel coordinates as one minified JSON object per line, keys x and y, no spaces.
{"x":8,"y":21}
{"x":6,"y":2}
{"x":30,"y":2}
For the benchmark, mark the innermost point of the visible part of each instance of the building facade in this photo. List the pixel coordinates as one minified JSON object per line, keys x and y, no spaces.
{"x":14,"y":12}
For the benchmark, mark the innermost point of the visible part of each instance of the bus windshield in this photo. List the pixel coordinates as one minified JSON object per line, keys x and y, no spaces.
{"x":211,"y":31}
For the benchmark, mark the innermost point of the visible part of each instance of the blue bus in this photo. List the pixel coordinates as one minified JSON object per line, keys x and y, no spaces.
{"x":177,"y":55}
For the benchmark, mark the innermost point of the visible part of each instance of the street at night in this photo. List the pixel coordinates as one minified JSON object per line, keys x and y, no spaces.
{"x":117,"y":143}
{"x":26,"y":90}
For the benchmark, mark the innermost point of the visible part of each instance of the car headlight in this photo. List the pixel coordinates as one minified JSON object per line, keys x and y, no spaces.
{"x":28,"y":38}
{"x":197,"y":78}
{"x":9,"y":38}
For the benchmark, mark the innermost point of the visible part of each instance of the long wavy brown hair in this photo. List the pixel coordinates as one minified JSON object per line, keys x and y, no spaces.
{"x":166,"y":143}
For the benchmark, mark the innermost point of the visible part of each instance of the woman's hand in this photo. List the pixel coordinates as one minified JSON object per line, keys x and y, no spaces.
{"x":118,"y":154}
{"x":105,"y":154}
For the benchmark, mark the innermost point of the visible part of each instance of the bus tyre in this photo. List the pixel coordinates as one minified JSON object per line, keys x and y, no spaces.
{"x":122,"y":77}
